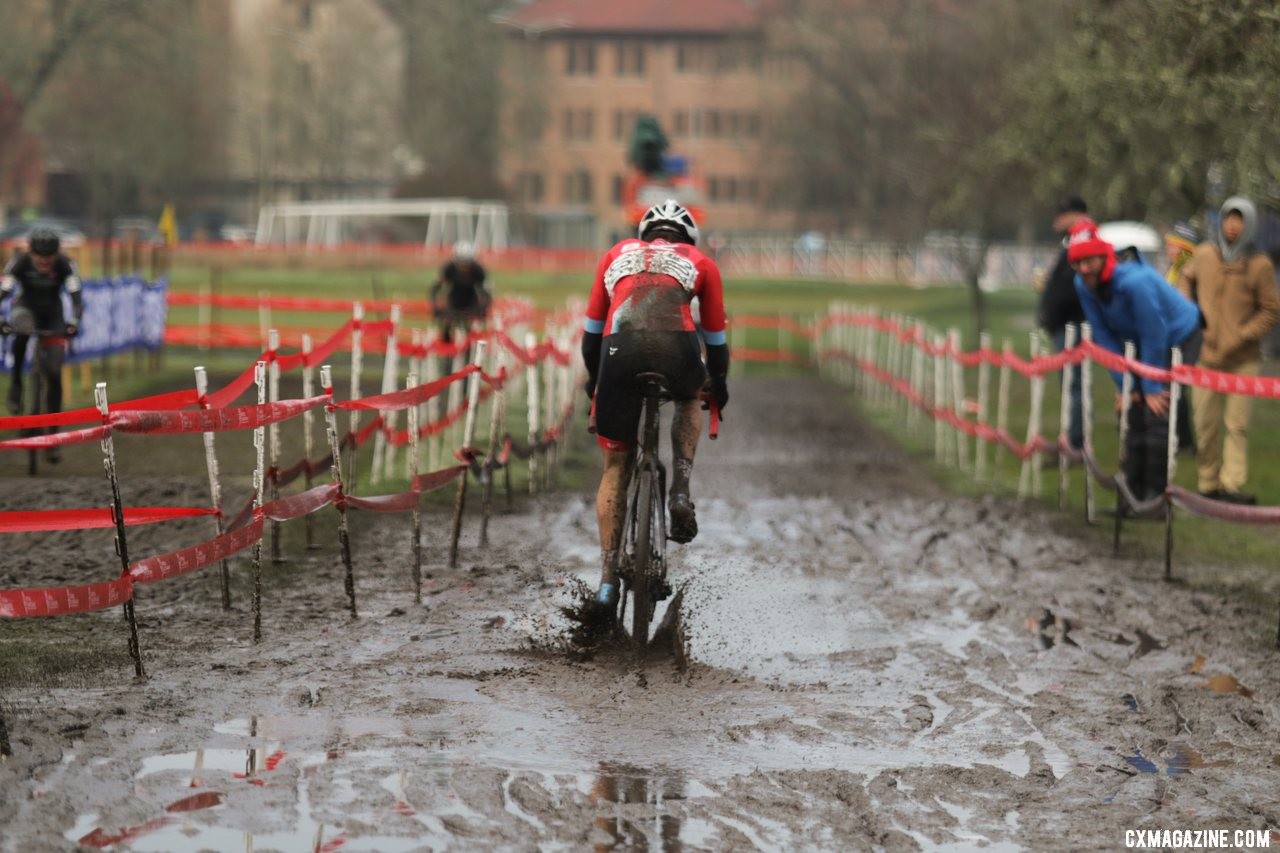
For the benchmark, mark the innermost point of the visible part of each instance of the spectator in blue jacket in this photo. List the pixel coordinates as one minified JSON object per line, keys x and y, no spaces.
{"x":1130,"y":301}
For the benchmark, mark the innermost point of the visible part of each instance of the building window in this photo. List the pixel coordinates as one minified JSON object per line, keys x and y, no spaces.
{"x":580,"y":58}
{"x":577,"y":187}
{"x":713,"y":188}
{"x":711,"y":122}
{"x":681,"y":123}
{"x":630,"y":59}
{"x":578,"y":125}
{"x":529,"y":186}
{"x":618,"y":181}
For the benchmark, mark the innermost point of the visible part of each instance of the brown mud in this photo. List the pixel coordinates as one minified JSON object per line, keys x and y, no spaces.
{"x":871,"y":664}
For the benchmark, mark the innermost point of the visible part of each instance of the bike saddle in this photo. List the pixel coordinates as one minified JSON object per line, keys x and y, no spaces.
{"x":651,"y":380}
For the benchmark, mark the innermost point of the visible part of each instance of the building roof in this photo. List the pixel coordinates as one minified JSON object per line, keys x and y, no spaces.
{"x":676,"y":17}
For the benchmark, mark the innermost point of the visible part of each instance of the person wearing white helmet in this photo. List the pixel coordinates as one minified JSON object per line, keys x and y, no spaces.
{"x":460,"y":294}
{"x":639,"y":319}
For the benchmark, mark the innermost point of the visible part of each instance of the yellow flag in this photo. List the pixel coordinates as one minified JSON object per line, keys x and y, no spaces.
{"x":168,"y":225}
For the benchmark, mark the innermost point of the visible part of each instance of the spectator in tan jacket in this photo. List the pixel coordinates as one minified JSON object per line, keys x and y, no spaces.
{"x":1235,"y":286}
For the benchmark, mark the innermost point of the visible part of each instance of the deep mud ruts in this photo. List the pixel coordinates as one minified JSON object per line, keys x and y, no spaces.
{"x":872,"y":664}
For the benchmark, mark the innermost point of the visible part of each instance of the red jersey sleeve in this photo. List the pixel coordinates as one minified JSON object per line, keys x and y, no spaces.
{"x":710,"y":294}
{"x":598,"y":302}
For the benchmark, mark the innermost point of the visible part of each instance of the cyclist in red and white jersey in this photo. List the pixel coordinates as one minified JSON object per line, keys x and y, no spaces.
{"x":639,"y":320}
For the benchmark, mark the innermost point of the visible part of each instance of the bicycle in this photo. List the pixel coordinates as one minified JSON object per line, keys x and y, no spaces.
{"x":41,"y":370}
{"x":642,"y":557}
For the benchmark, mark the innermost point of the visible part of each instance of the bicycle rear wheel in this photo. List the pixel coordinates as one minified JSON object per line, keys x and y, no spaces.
{"x":642,"y":565}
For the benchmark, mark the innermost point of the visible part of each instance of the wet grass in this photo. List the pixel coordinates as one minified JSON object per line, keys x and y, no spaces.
{"x":84,"y":651}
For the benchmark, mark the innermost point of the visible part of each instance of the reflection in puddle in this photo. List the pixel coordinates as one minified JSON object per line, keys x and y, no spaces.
{"x":378,"y":808}
{"x":1050,"y":629}
{"x":620,"y":785}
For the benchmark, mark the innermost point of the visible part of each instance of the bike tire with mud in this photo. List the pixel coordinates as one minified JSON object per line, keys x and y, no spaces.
{"x":641,"y":589}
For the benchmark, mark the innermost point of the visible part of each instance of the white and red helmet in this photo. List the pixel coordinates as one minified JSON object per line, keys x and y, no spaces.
{"x":669,"y":213}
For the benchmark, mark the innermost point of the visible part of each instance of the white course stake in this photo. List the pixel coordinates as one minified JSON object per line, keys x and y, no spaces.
{"x":273,"y":442}
{"x":1086,"y":403}
{"x":259,"y":473}
{"x":117,"y":513}
{"x":412,"y":418}
{"x":1064,"y":418}
{"x":215,"y":487}
{"x":390,"y":372}
{"x":308,"y":422}
{"x":984,"y":406}
{"x":1029,"y":479}
{"x":357,"y":366}
{"x":1002,"y":400}
{"x":531,"y":374}
{"x":344,"y":536}
{"x":468,"y":434}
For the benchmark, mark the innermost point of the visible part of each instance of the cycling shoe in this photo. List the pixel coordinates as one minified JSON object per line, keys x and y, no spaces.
{"x":607,"y":595}
{"x":684,"y":524}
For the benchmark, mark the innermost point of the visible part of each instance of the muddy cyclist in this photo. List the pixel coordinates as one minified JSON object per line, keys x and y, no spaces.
{"x":640,"y":319}
{"x":35,"y":281}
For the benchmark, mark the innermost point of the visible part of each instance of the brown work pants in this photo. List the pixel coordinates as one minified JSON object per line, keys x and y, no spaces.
{"x":1223,"y":460}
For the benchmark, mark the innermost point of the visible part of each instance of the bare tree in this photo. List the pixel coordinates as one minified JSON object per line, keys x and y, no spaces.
{"x":450,"y":87}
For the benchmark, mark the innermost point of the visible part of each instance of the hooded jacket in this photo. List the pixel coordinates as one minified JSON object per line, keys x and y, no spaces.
{"x":1235,"y":287}
{"x":1136,"y":304}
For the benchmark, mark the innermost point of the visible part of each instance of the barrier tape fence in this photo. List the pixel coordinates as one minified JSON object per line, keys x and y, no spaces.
{"x":549,"y":371}
{"x":894,"y":360}
{"x":887,"y":358}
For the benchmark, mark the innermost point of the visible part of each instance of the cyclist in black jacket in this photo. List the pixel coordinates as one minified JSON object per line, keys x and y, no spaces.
{"x":35,"y":280}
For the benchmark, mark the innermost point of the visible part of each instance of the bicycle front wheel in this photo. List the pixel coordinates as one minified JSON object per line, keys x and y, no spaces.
{"x":642,"y":567}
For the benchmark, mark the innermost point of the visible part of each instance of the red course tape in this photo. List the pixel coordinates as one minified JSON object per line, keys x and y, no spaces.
{"x":174,"y":563}
{"x":57,"y":601}
{"x":32,"y":521}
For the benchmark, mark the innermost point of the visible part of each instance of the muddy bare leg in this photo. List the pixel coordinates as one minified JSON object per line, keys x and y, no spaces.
{"x":686,"y":425}
{"x":611,"y":504}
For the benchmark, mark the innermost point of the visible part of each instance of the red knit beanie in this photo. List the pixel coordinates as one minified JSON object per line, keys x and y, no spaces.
{"x":1083,"y":241}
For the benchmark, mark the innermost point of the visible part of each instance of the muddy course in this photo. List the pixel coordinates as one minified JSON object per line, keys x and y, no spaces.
{"x":870,"y":664}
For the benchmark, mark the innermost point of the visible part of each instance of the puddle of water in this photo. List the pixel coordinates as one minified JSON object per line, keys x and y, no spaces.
{"x":283,"y":727}
{"x":1130,"y":701}
{"x":1228,"y":684}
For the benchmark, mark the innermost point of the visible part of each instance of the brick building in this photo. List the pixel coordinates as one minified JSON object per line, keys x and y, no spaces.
{"x":578,"y":73}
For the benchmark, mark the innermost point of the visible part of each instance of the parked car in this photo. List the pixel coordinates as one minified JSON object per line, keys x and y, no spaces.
{"x":1132,"y":235}
{"x":14,"y":235}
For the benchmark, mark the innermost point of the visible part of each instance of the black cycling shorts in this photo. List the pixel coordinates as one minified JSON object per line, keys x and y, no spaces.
{"x":619,"y":398}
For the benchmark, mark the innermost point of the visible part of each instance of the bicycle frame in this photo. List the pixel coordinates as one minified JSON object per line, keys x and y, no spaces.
{"x":44,"y":341}
{"x":643,"y":564}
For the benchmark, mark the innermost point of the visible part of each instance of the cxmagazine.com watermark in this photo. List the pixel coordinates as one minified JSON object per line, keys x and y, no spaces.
{"x":1198,"y":839}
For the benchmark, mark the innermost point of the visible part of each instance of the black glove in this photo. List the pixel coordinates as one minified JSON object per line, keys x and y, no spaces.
{"x":720,"y":392}
{"x":71,"y":330}
{"x":592,"y":343}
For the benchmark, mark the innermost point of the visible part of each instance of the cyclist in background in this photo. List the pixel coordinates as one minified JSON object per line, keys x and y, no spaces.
{"x":639,"y":320}
{"x":460,"y":294}
{"x":35,"y":280}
